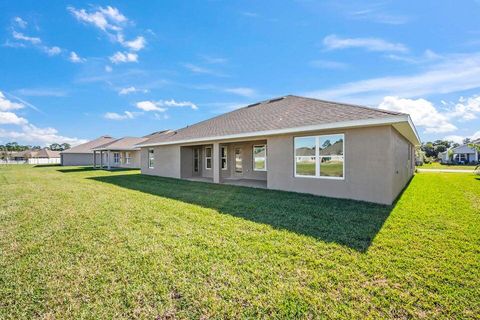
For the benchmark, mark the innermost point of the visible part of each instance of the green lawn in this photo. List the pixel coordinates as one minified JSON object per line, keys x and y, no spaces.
{"x":77,"y":243}
{"x":436,"y":165}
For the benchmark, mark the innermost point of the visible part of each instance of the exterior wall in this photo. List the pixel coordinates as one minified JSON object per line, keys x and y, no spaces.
{"x":78,"y":159}
{"x":369,"y":166}
{"x":134,"y":163}
{"x":403,"y":159}
{"x":166,"y":164}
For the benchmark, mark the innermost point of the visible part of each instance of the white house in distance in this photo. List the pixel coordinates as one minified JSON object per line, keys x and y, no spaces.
{"x":461,"y":154}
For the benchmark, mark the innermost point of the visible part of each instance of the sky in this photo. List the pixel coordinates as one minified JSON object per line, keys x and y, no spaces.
{"x":72,"y":71}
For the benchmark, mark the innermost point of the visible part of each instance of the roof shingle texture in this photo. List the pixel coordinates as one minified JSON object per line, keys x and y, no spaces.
{"x":282,"y":113}
{"x":87,"y":147}
{"x":126,"y":143}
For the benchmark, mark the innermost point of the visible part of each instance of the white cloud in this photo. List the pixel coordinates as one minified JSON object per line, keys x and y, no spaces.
{"x":118,"y":116}
{"x":108,"y":69}
{"x":6,"y":104}
{"x":42,"y":92}
{"x":150,"y":106}
{"x":454,"y":73}
{"x":124,"y":57}
{"x":333,"y":42}
{"x":454,"y":138}
{"x":20,"y":22}
{"x":466,"y":108}
{"x":244,"y":92}
{"x":129,"y":90}
{"x":75,"y":58}
{"x":44,"y":136}
{"x":476,"y":135}
{"x":214,"y":60}
{"x":135,"y":45}
{"x":327,"y":64}
{"x":108,"y":18}
{"x":173,"y":103}
{"x":52,"y":51}
{"x":197,"y":69}
{"x":21,"y":36}
{"x":422,"y":112}
{"x":11,"y":118}
{"x":163,"y":105}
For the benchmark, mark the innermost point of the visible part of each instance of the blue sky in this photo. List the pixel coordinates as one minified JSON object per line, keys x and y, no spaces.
{"x":75,"y":70}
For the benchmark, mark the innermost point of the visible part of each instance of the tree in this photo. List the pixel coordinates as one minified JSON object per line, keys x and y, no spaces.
{"x":65,"y":146}
{"x":55,"y":147}
{"x":326,"y":144}
{"x":466,"y":141}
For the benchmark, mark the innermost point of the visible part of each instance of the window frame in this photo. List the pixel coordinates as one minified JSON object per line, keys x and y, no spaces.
{"x":116,"y":157}
{"x":318,"y":158}
{"x":151,"y":158}
{"x":128,"y":157}
{"x":207,"y":157}
{"x":253,"y":157}
{"x":224,"y":156}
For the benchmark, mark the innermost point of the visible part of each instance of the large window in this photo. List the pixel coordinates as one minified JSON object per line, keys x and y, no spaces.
{"x":151,"y":158}
{"x":128,"y":158}
{"x":320,"y":156}
{"x":116,"y":157}
{"x":208,"y":158}
{"x":224,"y":156}
{"x":260,"y":157}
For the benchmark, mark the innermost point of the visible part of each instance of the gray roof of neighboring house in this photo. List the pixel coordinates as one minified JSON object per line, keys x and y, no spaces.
{"x":46,"y":153}
{"x":124,"y":144}
{"x":280,"y":113}
{"x":87,"y":147}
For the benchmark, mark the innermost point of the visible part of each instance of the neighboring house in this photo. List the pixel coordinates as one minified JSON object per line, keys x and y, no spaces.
{"x":34,"y":156}
{"x":294,"y":144}
{"x":82,"y":155}
{"x":44,"y":156}
{"x":120,"y":153}
{"x":462,"y":154}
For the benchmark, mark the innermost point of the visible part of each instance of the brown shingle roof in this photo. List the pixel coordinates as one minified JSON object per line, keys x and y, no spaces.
{"x":87,"y":147}
{"x":47,"y":153}
{"x":126,"y":143}
{"x":280,"y":113}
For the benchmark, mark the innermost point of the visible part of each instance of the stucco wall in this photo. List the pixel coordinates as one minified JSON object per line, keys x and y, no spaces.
{"x":78,"y":159}
{"x":403,"y":159}
{"x":167,"y":161}
{"x":368,"y":166}
{"x":134,"y":163}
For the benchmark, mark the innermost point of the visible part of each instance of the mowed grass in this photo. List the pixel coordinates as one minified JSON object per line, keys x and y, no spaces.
{"x":437,"y":165}
{"x":77,"y":243}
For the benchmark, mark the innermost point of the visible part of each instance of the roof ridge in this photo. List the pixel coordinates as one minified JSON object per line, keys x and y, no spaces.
{"x":349,"y":104}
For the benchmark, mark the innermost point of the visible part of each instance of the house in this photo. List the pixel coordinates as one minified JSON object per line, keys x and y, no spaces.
{"x":44,"y":156}
{"x":461,"y":154}
{"x":82,"y":155}
{"x":295,"y":144}
{"x":120,"y":153}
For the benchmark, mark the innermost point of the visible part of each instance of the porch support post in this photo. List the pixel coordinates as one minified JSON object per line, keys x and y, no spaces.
{"x":94,"y":159}
{"x":108,"y":160}
{"x":216,"y":162}
{"x":101,"y":159}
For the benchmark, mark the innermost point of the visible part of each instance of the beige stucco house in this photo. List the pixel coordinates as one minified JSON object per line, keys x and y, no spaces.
{"x":295,"y":144}
{"x":119,"y":153}
{"x":82,"y":155}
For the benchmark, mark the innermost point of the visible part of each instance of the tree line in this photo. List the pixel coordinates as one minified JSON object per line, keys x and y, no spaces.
{"x":14,"y":146}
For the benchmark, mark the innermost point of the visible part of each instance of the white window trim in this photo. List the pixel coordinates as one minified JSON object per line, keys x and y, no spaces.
{"x":224,"y":157}
{"x":128,"y":157}
{"x":253,"y":156}
{"x":116,"y":157}
{"x":151,"y":164}
{"x":317,"y":157}
{"x":206,"y":157}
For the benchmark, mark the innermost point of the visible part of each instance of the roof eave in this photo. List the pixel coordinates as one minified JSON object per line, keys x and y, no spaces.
{"x":404,"y":118}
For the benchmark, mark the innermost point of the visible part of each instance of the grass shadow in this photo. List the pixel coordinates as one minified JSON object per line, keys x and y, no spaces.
{"x":47,"y":165}
{"x":84,"y":169}
{"x":347,"y":222}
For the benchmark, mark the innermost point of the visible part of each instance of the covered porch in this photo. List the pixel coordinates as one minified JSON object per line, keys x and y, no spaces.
{"x":113,"y":159}
{"x":241,"y":163}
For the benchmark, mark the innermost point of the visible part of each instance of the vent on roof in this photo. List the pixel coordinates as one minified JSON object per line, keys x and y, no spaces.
{"x":253,"y":105}
{"x":275,"y":100}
